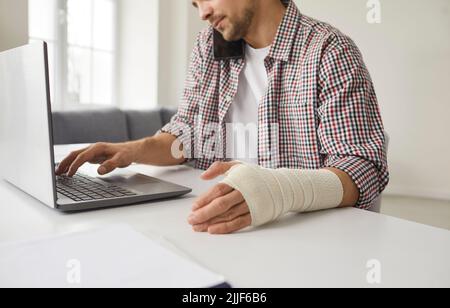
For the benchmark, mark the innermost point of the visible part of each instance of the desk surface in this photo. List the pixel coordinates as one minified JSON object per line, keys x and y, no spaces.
{"x":325,"y":249}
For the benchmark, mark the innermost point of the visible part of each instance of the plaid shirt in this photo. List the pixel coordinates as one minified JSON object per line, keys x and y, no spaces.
{"x":320,"y":97}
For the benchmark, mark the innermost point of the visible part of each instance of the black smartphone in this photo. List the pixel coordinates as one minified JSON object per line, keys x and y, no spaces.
{"x":224,"y":50}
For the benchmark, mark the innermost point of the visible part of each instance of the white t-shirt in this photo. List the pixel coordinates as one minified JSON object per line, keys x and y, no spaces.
{"x":243,"y":113}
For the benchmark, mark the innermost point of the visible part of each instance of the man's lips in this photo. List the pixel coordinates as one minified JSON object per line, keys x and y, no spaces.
{"x":217,"y":22}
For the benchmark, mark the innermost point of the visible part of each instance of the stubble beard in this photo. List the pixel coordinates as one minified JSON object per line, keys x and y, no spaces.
{"x":239,"y":28}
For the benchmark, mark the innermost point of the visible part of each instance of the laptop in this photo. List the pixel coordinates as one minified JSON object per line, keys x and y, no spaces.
{"x":26,"y":144}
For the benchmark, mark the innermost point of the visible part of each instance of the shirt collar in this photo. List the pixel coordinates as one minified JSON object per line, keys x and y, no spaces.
{"x":284,"y":39}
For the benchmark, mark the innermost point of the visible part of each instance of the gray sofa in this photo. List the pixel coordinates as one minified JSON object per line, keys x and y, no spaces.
{"x":107,"y":125}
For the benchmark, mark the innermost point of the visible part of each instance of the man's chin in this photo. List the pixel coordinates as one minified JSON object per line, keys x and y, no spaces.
{"x":229,"y":37}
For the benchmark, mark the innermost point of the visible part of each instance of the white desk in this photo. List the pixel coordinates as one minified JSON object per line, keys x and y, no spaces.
{"x":321,"y":249}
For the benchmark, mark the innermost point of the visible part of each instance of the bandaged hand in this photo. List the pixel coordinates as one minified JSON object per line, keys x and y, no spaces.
{"x":253,"y":196}
{"x":271,"y":194}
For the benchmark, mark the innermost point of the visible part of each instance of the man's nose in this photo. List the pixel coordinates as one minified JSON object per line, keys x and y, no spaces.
{"x":205,"y":10}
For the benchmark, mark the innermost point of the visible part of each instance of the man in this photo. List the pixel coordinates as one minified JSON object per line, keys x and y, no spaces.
{"x":320,"y":136}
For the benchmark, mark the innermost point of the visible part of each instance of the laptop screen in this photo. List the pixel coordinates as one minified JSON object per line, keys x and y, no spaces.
{"x":27,"y":159}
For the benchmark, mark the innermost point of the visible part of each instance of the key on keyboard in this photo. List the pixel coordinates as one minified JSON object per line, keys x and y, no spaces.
{"x":84,"y":188}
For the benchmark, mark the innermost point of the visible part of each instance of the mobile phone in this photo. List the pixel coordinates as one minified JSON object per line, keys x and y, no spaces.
{"x":224,"y":50}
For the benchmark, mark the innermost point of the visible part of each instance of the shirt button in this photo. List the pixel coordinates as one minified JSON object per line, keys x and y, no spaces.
{"x":228,"y":99}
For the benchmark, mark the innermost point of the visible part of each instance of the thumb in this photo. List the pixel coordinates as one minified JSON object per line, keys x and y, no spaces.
{"x":108,"y":166}
{"x":217,"y":169}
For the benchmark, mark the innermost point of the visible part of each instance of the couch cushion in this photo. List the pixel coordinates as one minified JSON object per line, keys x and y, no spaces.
{"x":167,"y":114}
{"x":89,"y":126}
{"x":143,"y":124}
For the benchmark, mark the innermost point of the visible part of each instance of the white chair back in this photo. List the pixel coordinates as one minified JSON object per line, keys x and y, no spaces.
{"x":377,"y":205}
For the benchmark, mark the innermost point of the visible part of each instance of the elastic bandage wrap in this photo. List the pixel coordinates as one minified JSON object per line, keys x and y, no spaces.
{"x":272,"y":193}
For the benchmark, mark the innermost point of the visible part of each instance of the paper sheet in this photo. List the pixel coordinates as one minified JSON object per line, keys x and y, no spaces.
{"x":116,"y":256}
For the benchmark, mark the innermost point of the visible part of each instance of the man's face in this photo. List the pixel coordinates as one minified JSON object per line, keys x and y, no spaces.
{"x":232,"y":18}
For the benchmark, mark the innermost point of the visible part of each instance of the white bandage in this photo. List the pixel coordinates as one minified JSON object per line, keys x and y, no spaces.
{"x":273,"y":193}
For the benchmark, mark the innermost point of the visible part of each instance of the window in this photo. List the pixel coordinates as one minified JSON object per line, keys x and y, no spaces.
{"x":81,"y":35}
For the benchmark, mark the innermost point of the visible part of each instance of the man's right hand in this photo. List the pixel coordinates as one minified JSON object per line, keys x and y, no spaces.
{"x":110,"y":156}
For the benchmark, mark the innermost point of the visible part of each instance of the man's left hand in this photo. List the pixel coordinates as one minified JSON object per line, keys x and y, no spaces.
{"x":222,"y":210}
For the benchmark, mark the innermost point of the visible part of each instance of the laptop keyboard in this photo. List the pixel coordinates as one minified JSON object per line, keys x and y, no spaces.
{"x":80,"y":188}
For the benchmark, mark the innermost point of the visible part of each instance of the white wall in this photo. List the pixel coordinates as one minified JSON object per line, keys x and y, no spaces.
{"x":138,"y":53}
{"x":178,"y":28}
{"x":13,"y":23}
{"x":408,"y":55}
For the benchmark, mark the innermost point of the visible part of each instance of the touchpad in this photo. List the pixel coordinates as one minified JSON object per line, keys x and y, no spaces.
{"x":132,"y":179}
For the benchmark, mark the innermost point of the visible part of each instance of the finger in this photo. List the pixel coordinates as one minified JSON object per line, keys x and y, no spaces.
{"x":216,"y":208}
{"x":237,"y":211}
{"x":82,"y":158}
{"x":231,"y":226}
{"x":216,"y":192}
{"x":232,"y":214}
{"x":65,"y":164}
{"x":109,"y":165}
{"x":98,"y":160}
{"x":217,"y":169}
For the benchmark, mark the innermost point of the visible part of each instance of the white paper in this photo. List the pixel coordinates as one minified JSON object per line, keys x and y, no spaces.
{"x":116,"y":256}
